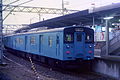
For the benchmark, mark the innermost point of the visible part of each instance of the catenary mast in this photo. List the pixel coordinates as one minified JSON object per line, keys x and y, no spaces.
{"x":1,"y":34}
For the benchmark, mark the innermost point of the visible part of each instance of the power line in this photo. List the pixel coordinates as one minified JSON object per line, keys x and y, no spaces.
{"x":10,"y":4}
{"x":14,"y":8}
{"x":41,"y":10}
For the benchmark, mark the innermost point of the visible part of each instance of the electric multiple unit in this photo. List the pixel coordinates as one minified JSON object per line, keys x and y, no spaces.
{"x":59,"y":44}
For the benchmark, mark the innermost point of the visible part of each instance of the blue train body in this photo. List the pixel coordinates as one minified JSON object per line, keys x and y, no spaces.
{"x":64,"y":44}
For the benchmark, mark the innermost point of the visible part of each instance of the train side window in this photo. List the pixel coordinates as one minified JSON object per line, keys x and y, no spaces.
{"x":20,"y":40}
{"x":79,"y":37}
{"x":50,"y":41}
{"x":32,"y":40}
{"x":17,"y":40}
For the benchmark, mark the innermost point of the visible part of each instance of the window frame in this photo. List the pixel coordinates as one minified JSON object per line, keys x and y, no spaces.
{"x":32,"y":40}
{"x":72,"y":38}
{"x":50,"y":41}
{"x":91,"y":40}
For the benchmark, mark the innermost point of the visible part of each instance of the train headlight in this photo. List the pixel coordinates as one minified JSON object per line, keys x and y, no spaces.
{"x":90,"y":46}
{"x":89,"y":51}
{"x":67,"y":46}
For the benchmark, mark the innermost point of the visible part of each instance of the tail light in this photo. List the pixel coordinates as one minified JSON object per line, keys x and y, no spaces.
{"x":90,"y":52}
{"x":68,"y":52}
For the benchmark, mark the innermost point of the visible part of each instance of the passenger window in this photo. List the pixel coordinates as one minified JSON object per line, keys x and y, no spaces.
{"x":50,"y":41}
{"x":17,"y":40}
{"x":79,"y":37}
{"x":32,"y":40}
{"x":20,"y":40}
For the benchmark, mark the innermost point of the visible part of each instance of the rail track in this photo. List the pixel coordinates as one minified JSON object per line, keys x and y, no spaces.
{"x":42,"y":71}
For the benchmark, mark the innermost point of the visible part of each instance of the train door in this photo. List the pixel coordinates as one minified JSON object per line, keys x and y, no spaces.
{"x":11,"y":42}
{"x":41,"y":43}
{"x":57,"y":45}
{"x":15,"y":42}
{"x":79,"y":44}
{"x":26,"y":42}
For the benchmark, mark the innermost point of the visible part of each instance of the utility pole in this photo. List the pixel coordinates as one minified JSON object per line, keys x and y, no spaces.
{"x":64,"y":10}
{"x":39,"y":16}
{"x":107,"y":33}
{"x":63,"y":7}
{"x":1,"y":34}
{"x":107,"y":37}
{"x":93,"y":7}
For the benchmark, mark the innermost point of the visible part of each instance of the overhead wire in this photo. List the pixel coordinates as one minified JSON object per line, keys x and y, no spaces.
{"x":10,"y":3}
{"x":15,"y":7}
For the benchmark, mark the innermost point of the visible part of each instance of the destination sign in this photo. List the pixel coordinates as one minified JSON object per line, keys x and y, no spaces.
{"x":79,"y":29}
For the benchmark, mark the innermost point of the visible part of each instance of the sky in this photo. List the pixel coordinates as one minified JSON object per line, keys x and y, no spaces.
{"x":27,"y":18}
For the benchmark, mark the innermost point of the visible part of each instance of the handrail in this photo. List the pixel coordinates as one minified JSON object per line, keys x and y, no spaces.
{"x":113,"y":41}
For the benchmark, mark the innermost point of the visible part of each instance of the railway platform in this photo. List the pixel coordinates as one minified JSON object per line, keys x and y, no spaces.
{"x":108,"y":65}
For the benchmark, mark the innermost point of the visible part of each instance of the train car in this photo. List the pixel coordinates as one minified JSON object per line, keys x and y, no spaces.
{"x":58,"y":47}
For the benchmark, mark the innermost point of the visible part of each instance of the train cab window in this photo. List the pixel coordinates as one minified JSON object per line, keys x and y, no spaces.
{"x":79,"y":37}
{"x":50,"y":41}
{"x":32,"y":40}
{"x":89,"y":38}
{"x":68,"y":38}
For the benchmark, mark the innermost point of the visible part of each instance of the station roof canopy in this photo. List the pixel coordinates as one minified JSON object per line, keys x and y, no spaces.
{"x":82,"y":17}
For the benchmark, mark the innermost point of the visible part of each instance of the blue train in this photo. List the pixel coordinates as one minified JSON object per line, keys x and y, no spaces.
{"x":59,"y":46}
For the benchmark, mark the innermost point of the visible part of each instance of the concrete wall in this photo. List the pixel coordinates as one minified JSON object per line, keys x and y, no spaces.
{"x":106,"y":66}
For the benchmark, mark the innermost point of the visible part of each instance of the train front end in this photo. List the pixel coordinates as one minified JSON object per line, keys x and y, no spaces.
{"x":78,"y":43}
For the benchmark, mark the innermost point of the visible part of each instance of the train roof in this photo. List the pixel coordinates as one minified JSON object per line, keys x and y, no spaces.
{"x":49,"y":30}
{"x":41,"y":31}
